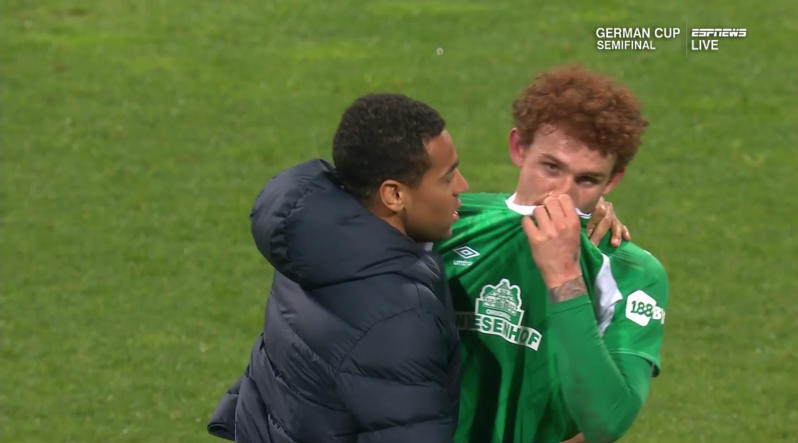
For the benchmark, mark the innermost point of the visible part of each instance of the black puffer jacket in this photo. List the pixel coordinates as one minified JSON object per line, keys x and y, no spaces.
{"x":359,"y":342}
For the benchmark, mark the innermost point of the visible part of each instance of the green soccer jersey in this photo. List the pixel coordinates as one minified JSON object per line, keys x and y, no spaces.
{"x":511,"y":389}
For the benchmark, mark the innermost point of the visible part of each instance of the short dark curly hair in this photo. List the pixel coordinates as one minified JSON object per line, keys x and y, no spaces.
{"x":587,"y":106}
{"x":382,"y":136}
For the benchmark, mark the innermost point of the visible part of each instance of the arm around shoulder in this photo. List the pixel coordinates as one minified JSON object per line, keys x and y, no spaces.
{"x":396,"y":381}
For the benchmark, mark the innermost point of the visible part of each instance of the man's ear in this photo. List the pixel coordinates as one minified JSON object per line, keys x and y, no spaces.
{"x":517,"y":150}
{"x":614,"y":181}
{"x":393,"y":195}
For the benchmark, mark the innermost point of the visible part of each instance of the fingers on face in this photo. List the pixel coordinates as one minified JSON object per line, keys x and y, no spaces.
{"x":601,"y":209}
{"x":558,"y":213}
{"x":568,"y":207}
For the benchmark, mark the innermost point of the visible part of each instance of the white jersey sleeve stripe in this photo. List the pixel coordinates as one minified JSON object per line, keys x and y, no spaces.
{"x":607,"y":295}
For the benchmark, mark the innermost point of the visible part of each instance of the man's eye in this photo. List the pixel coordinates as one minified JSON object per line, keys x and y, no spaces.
{"x":550,"y":166}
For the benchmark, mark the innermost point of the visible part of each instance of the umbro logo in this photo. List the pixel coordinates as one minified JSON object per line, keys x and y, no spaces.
{"x":466,"y":252}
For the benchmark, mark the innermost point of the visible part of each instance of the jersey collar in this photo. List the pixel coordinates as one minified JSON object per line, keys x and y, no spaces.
{"x":528,"y":210}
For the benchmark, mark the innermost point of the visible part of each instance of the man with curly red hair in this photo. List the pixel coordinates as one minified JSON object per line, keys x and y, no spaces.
{"x":560,"y":337}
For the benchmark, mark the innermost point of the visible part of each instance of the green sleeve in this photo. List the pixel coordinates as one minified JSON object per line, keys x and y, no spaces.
{"x":604,"y":392}
{"x":637,"y":325}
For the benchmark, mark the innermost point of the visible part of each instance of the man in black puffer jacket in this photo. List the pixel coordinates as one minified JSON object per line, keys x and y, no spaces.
{"x":359,"y":343}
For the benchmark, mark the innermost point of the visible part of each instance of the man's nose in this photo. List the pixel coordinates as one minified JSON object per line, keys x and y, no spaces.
{"x":566,"y":185}
{"x":462,"y":184}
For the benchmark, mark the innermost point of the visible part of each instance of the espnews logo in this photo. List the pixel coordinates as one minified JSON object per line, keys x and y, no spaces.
{"x":717,"y":32}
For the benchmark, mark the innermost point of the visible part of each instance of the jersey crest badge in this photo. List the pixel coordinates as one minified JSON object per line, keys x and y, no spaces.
{"x":498,"y":312}
{"x":502,"y":300}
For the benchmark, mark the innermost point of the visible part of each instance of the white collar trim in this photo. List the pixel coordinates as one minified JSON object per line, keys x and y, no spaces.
{"x":528,"y":210}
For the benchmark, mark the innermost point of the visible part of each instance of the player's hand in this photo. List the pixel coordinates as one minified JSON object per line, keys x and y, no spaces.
{"x":580,"y":438}
{"x":603,"y":220}
{"x":555,"y":241}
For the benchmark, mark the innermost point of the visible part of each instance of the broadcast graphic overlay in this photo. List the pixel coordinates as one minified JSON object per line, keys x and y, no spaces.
{"x":700,"y":39}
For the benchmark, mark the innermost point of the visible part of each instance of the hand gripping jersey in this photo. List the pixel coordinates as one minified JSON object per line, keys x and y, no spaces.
{"x":511,"y":385}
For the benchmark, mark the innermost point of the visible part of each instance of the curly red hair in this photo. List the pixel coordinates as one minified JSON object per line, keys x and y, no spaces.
{"x":587,"y":106}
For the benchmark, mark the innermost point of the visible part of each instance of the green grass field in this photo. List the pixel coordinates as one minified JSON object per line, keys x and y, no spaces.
{"x":136,"y":135}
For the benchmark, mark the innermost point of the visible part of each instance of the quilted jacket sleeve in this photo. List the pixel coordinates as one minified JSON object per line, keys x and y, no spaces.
{"x":222,"y":422}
